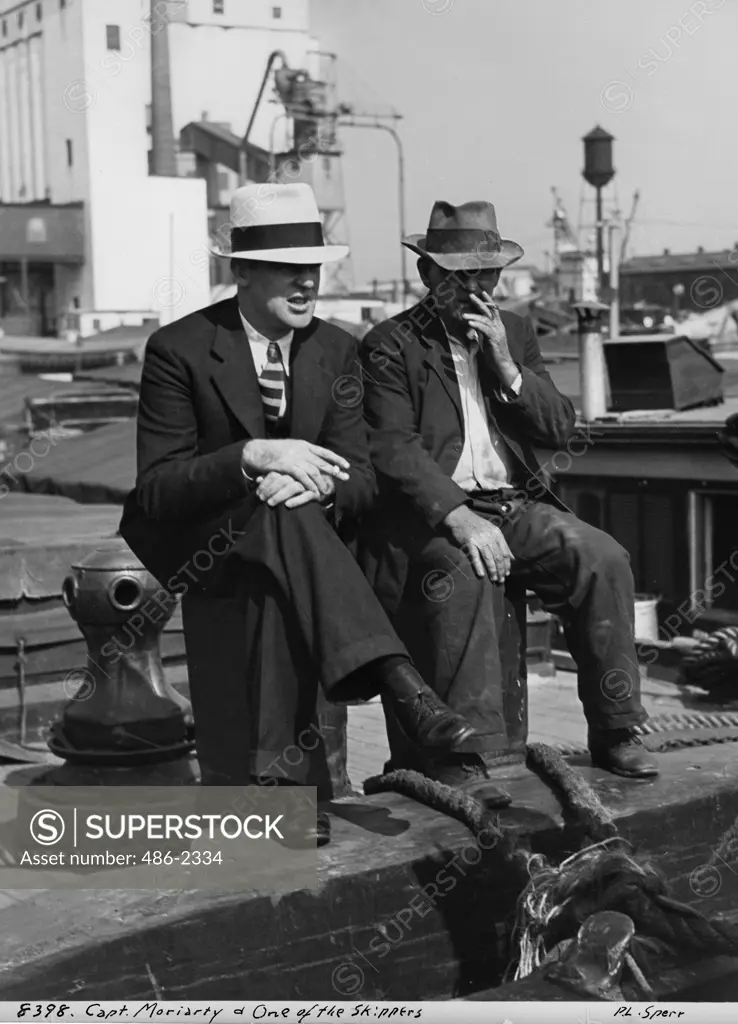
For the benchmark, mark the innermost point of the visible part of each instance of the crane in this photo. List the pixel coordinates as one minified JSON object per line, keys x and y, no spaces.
{"x":312,"y":108}
{"x":314,"y":115}
{"x":628,"y":225}
{"x":564,"y":237}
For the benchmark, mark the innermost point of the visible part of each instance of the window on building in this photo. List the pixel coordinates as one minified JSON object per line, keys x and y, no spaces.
{"x":112,"y":33}
{"x":218,"y":6}
{"x":39,"y":12}
{"x":70,"y":153}
{"x":276,"y":12}
{"x":5,"y":27}
{"x":20,"y":19}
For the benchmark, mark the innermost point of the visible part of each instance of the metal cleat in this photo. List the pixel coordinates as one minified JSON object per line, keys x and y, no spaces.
{"x":592,"y":964}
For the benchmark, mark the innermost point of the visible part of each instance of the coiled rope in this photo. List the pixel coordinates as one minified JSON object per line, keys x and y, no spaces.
{"x":607,"y":874}
{"x":713,"y":661}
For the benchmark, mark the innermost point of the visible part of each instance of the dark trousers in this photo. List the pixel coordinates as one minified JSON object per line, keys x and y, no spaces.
{"x":580,"y":573}
{"x":287,"y":609}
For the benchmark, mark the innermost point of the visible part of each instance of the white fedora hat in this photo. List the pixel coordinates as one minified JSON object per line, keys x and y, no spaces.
{"x":278,"y":224}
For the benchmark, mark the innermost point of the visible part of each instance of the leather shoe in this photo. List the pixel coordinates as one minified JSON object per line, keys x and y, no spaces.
{"x":621,"y":752}
{"x":302,"y":831}
{"x":425,"y":720}
{"x":306,"y":834}
{"x":468,"y":773}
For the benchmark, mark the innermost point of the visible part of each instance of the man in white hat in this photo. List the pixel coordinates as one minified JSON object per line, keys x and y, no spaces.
{"x":457,"y":396}
{"x":253,"y":469}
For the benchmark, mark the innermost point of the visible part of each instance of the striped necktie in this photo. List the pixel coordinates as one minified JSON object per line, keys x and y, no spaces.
{"x":272,"y":384}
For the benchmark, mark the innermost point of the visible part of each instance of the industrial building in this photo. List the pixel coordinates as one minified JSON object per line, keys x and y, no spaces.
{"x":103,"y":221}
{"x":696,"y":281}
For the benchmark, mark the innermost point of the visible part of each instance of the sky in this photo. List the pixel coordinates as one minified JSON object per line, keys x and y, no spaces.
{"x":495,"y":96}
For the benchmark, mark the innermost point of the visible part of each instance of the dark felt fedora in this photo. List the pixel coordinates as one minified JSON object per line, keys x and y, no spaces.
{"x":464,"y":237}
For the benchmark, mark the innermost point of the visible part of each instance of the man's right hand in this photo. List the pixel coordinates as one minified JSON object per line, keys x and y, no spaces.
{"x":301,"y":460}
{"x":483,"y":543}
{"x":278,"y":488}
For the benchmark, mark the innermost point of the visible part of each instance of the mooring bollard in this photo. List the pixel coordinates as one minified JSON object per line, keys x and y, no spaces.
{"x":124,"y":713}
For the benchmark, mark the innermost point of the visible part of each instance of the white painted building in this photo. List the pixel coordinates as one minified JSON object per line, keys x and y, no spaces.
{"x":84,"y":228}
{"x":218,"y":61}
{"x":517,"y":281}
{"x":577,"y":276}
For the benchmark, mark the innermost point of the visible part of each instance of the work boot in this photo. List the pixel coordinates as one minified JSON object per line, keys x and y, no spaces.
{"x":621,"y":752}
{"x":423,"y":717}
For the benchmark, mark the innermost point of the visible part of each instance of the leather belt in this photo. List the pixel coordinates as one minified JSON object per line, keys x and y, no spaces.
{"x":501,"y":502}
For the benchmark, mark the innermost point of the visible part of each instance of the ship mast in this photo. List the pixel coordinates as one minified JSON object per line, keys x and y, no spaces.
{"x":564,"y":239}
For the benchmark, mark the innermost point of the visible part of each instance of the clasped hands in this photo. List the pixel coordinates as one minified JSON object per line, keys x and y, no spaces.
{"x":293,"y":472}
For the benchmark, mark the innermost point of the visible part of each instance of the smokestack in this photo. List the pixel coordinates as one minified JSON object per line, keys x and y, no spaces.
{"x":592,"y":368}
{"x":163,"y":152}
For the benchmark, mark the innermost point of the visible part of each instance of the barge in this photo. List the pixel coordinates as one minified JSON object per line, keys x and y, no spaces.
{"x":407,"y":904}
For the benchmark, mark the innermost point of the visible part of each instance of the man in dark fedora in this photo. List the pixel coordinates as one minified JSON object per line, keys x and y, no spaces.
{"x":253,"y":469}
{"x":456,"y":396}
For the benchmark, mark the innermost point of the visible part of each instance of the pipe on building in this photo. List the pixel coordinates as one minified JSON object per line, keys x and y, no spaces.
{"x":163,"y":151}
{"x":693,"y":531}
{"x":592,"y":369}
{"x":274,"y":55}
{"x":614,"y":283}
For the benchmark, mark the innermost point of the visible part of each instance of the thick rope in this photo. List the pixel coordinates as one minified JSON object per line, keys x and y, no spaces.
{"x":713,"y":661}
{"x":579,"y":797}
{"x":459,"y":805}
{"x":605,"y":875}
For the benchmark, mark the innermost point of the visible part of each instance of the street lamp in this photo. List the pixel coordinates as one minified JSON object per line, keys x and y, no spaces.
{"x":400,"y":188}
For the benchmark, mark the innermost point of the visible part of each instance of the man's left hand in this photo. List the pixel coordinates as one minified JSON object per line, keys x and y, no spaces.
{"x":492,"y":337}
{"x":280,"y":488}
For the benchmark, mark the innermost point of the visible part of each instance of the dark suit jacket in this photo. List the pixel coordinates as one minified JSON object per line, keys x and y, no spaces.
{"x":413,"y":407}
{"x":200,"y":402}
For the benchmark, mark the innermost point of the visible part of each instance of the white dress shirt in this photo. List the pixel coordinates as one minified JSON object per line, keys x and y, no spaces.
{"x":259,"y":346}
{"x":486,"y":463}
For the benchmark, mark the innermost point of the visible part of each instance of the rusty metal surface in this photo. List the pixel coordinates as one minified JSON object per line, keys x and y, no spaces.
{"x":592,"y":964}
{"x":124,"y":709}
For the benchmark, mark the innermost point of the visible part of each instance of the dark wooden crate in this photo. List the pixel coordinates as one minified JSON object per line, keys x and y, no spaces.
{"x":661,"y":373}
